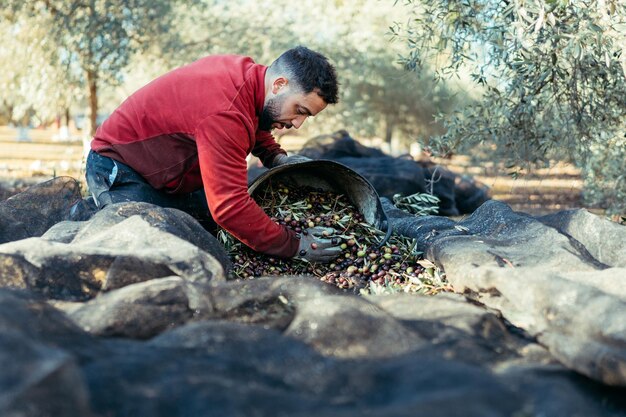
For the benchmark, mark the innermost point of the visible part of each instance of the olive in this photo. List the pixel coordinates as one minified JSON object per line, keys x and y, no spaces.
{"x":390,"y":264}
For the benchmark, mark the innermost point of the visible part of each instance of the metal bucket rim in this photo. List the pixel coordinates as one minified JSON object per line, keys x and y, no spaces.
{"x":329,"y":165}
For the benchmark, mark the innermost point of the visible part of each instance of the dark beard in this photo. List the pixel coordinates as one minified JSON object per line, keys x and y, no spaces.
{"x":270,"y":113}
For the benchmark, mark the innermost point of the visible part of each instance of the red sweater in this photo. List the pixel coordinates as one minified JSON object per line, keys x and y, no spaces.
{"x":192,"y":128}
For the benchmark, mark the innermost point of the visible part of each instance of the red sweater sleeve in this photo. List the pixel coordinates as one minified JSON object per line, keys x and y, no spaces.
{"x":223,"y":144}
{"x":266,"y":148}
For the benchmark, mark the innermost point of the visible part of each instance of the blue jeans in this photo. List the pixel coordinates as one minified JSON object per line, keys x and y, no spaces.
{"x":112,"y":182}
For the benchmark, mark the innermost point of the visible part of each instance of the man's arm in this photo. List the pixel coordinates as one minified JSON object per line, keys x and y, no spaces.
{"x":271,"y":154}
{"x":222,"y":149}
{"x":266,"y":148}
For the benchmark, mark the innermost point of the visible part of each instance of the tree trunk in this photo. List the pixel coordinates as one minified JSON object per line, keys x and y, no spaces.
{"x":389,"y":135}
{"x":10,"y":113}
{"x":64,"y":125}
{"x":388,"y":130}
{"x":92,"y":82}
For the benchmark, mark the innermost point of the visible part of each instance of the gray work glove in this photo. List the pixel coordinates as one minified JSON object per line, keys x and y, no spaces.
{"x":282,"y":159}
{"x":317,"y":246}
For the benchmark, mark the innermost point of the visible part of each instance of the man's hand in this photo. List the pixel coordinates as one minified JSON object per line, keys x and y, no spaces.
{"x":318,"y":245}
{"x":282,"y":159}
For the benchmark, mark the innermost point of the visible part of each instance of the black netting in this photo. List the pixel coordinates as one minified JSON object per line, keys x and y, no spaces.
{"x":33,"y":211}
{"x":391,"y":175}
{"x":9,"y":189}
{"x":338,"y":145}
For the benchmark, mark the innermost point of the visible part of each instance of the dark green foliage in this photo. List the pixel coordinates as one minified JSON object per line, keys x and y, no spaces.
{"x":551,"y":75}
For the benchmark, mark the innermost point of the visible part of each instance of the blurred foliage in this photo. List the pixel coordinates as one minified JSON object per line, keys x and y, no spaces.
{"x":125,"y":44}
{"x":71,"y":49}
{"x":31,"y":85}
{"x":375,"y":100}
{"x":553,"y":79}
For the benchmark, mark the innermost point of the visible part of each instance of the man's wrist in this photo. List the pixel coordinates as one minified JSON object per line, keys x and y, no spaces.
{"x":284,"y":159}
{"x":279,"y":159}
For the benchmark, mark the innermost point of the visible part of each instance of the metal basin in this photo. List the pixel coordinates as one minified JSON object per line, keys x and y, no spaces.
{"x":329,"y":176}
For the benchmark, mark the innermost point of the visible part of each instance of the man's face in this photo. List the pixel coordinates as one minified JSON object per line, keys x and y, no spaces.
{"x":286,"y":106}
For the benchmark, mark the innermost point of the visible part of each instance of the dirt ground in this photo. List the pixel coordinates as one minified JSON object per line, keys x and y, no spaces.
{"x":540,"y":192}
{"x":23,"y":163}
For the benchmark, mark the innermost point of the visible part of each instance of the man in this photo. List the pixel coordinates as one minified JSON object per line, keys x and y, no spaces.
{"x":181,"y":141}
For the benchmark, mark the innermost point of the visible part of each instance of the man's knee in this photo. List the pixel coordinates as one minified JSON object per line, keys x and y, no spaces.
{"x":110,"y":182}
{"x":100,"y":173}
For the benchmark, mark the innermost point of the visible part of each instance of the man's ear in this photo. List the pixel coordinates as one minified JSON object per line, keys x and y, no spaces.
{"x":279,"y":84}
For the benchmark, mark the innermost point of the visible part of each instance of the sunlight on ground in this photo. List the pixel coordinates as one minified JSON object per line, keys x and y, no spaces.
{"x":42,"y":157}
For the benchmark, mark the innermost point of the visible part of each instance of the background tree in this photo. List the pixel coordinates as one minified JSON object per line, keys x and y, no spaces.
{"x":103,"y":50}
{"x":378,"y":98}
{"x":552,"y":73}
{"x":32,"y":76}
{"x":92,"y":39}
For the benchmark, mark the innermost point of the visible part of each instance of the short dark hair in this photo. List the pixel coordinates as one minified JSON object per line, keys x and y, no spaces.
{"x":310,"y":70}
